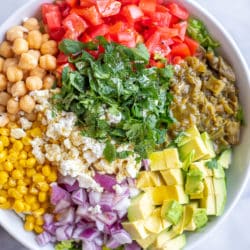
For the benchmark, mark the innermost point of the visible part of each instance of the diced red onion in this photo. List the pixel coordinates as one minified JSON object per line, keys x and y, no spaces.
{"x":105,"y":181}
{"x":132,"y":246}
{"x":131,"y":182}
{"x":83,"y":211}
{"x":99,"y":225}
{"x":123,"y":204}
{"x":106,"y":201}
{"x":71,"y":188}
{"x":122,"y":237}
{"x":61,"y":233}
{"x":133,"y":192}
{"x":90,"y":234}
{"x":145,"y":164}
{"x":50,"y":228}
{"x":88,"y":245}
{"x":48,"y":219}
{"x":107,"y":218}
{"x":67,"y":217}
{"x":94,"y":197}
{"x":78,"y":230}
{"x":112,"y":243}
{"x":79,"y":197}
{"x":66,"y":180}
{"x":99,"y":241}
{"x":121,"y":213}
{"x":69,"y":231}
{"x":61,"y":205}
{"x":43,"y":238}
{"x":58,"y":194}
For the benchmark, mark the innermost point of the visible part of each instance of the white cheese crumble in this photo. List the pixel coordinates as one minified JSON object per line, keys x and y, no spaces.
{"x":17,"y":133}
{"x":25,"y":123}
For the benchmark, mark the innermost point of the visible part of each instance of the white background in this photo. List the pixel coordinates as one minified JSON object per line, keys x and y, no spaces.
{"x":234,"y":233}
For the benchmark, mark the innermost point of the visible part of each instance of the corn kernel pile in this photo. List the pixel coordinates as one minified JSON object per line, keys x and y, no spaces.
{"x":24,"y":184}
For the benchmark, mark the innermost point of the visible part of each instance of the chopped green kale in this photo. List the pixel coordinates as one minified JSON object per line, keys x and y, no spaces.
{"x":68,"y":245}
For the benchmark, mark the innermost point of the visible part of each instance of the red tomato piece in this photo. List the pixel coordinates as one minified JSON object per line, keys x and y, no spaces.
{"x":126,"y":36}
{"x":57,"y":34}
{"x":162,"y":18}
{"x":87,"y":3}
{"x":48,"y":7}
{"x":108,"y":7}
{"x":174,"y":20}
{"x":148,"y":6}
{"x":167,"y":33}
{"x":132,"y":13}
{"x":53,"y":20}
{"x":129,"y":2}
{"x":161,"y":8}
{"x":178,"y":11}
{"x":117,"y":27}
{"x":85,"y":38}
{"x":177,"y":60}
{"x":182,"y":28}
{"x":90,"y":14}
{"x":75,"y":24}
{"x":153,"y":41}
{"x":181,"y":50}
{"x":71,"y":3}
{"x":99,"y":30}
{"x":192,"y":44}
{"x":61,"y":58}
{"x":64,"y":8}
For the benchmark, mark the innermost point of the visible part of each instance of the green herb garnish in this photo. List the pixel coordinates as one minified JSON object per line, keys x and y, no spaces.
{"x":212,"y":163}
{"x":117,"y":83}
{"x":68,"y":245}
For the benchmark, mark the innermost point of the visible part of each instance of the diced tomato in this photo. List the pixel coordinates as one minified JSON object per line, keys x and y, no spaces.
{"x":99,"y":30}
{"x":162,"y":49}
{"x":174,"y":20}
{"x":117,"y":27}
{"x":181,"y":50}
{"x":177,"y":60}
{"x":132,"y":13}
{"x":162,"y":18}
{"x":59,"y":69}
{"x":178,"y":11}
{"x":177,"y":40}
{"x":167,"y":33}
{"x":192,"y":44}
{"x":87,"y":3}
{"x":61,"y":59}
{"x":57,"y":34}
{"x":161,"y":8}
{"x":91,"y":14}
{"x":75,"y":24}
{"x":64,"y":8}
{"x":126,"y":36}
{"x":71,"y":3}
{"x":148,"y":6}
{"x":48,"y":7}
{"x":182,"y":28}
{"x":85,"y":38}
{"x":129,"y":2}
{"x":53,"y":20}
{"x":108,"y":7}
{"x":153,"y":41}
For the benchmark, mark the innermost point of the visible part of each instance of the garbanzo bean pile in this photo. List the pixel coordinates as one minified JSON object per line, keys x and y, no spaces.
{"x":27,"y":63}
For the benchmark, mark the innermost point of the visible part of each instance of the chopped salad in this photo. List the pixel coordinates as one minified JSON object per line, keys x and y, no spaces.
{"x":117,"y":122}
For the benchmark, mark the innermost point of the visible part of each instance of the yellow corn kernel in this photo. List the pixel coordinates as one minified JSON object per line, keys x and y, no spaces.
{"x":27,"y":148}
{"x":8,"y":166}
{"x":12,"y":157}
{"x":23,"y":155}
{"x":46,"y":170}
{"x":1,"y":146}
{"x":30,"y":199}
{"x":17,"y":174}
{"x":36,"y":132}
{"x":5,"y":140}
{"x":30,"y":218}
{"x":18,"y":146}
{"x":21,"y":182}
{"x":43,"y":186}
{"x":27,"y":207}
{"x":4,"y":131}
{"x":12,"y":125}
{"x":38,"y":177}
{"x":3,"y":177}
{"x":33,"y":190}
{"x":39,"y":168}
{"x":3,"y":193}
{"x":28,"y":226}
{"x":12,"y":182}
{"x":18,"y":206}
{"x":34,"y":207}
{"x":39,"y":212}
{"x":22,"y":189}
{"x":42,"y":196}
{"x":3,"y":156}
{"x":38,"y":229}
{"x":12,"y":140}
{"x":27,"y":180}
{"x":26,"y":141}
{"x":12,"y":192}
{"x":2,"y":200}
{"x":6,"y":205}
{"x":22,"y":163}
{"x":39,"y":221}
{"x":30,"y":163}
{"x":45,"y":205}
{"x":52,"y":177}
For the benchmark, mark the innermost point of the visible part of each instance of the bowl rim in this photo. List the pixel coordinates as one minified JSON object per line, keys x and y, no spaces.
{"x":245,"y":68}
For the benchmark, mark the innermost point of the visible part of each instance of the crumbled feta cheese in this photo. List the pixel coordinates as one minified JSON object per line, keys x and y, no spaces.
{"x":67,"y":143}
{"x":93,"y":145}
{"x":86,"y":181}
{"x":114,"y":118}
{"x":72,"y":167}
{"x":53,"y":152}
{"x":89,"y":156}
{"x":25,"y":123}
{"x":17,"y":133}
{"x":118,"y":189}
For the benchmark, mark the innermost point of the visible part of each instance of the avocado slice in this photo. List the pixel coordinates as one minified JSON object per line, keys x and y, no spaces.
{"x":189,"y":221}
{"x":200,"y":217}
{"x":220,"y":195}
{"x":201,"y":165}
{"x":144,"y":180}
{"x":176,"y":244}
{"x":173,"y":176}
{"x":162,"y":238}
{"x":194,"y":182}
{"x":188,"y":160}
{"x":164,"y":223}
{"x":219,"y":172}
{"x":153,"y":223}
{"x":195,"y":144}
{"x":172,"y":158}
{"x":208,"y":186}
{"x":187,"y":136}
{"x":225,"y":158}
{"x":157,"y":179}
{"x":197,"y":196}
{"x":209,"y":145}
{"x":157,"y":161}
{"x":209,"y":203}
{"x":141,"y":207}
{"x":172,"y":211}
{"x":136,"y":229}
{"x":145,"y":243}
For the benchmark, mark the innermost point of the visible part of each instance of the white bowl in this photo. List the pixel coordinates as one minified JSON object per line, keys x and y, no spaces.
{"x":238,"y":173}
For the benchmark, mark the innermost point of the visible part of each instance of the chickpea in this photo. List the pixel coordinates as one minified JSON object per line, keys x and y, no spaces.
{"x":31,"y":24}
{"x":8,"y":63}
{"x":34,"y":83}
{"x":20,"y":46}
{"x":4,"y":98}
{"x":34,"y":39}
{"x":14,"y":33}
{"x":27,"y":104}
{"x":12,"y":106}
{"x":1,"y":64}
{"x":49,"y":81}
{"x":47,"y":62}
{"x":4,"y":120}
{"x":6,"y":50}
{"x":18,"y":89}
{"x":31,"y":117}
{"x":34,"y":53}
{"x":38,"y":72}
{"x":27,"y":62}
{"x":45,"y":38}
{"x":3,"y":82}
{"x":9,"y":86}
{"x":14,"y":74}
{"x":12,"y":118}
{"x":49,"y":47}
{"x":2,"y":109}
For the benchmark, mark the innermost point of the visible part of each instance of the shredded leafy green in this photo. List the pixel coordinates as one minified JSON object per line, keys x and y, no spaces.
{"x":197,"y":30}
{"x":68,"y":245}
{"x":118,"y":83}
{"x":212,"y":163}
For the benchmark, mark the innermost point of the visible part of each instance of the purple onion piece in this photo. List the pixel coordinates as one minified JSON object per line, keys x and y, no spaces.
{"x":58,"y":194}
{"x":94,"y":197}
{"x":71,"y":188}
{"x":61,"y":205}
{"x":112,"y":243}
{"x":43,"y":238}
{"x":132,"y":246}
{"x":89,"y":245}
{"x":79,"y":197}
{"x":105,"y":181}
{"x":122,"y":237}
{"x":108,"y":218}
{"x":67,"y":217}
{"x":145,"y":164}
{"x":69,"y":231}
{"x":90,"y":234}
{"x":66,"y":180}
{"x":48,"y":219}
{"x":50,"y":228}
{"x":61,"y":233}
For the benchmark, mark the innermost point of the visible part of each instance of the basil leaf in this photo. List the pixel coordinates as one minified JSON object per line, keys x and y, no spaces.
{"x":109,"y":152}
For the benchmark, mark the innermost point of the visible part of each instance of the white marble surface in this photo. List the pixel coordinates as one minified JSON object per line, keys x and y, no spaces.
{"x":234,"y":233}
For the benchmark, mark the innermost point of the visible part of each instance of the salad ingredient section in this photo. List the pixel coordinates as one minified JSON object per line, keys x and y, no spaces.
{"x":117,"y":120}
